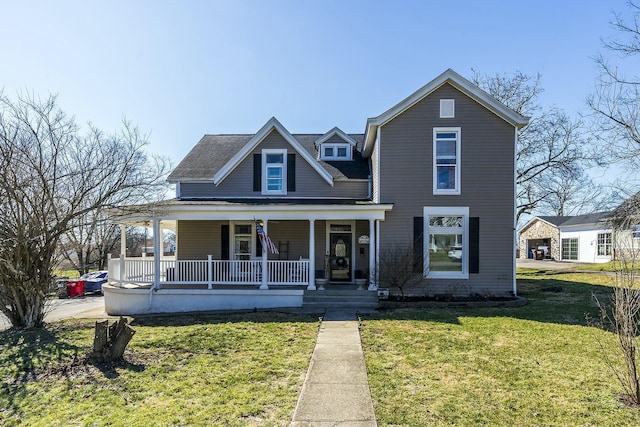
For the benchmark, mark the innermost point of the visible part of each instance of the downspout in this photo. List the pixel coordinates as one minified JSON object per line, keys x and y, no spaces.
{"x":515,"y":209}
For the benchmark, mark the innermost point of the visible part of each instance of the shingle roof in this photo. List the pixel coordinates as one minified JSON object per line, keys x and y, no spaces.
{"x":569,"y":221}
{"x":212,"y":152}
{"x":587,"y":219}
{"x":555,"y":220}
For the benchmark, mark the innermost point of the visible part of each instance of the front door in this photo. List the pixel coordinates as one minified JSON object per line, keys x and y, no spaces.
{"x":340,"y":259}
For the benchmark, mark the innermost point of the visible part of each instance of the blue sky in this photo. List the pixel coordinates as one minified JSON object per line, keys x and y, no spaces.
{"x":180,"y":69}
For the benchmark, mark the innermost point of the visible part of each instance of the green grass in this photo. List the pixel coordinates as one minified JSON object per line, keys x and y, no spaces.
{"x":538,"y":365}
{"x":219,"y":370}
{"x":611,"y":266}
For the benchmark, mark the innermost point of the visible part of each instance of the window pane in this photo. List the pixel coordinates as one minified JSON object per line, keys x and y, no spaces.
{"x":328,"y":151}
{"x":446,"y":177}
{"x":446,"y":149}
{"x":274,"y":158}
{"x":570,"y":249}
{"x":242,"y":229}
{"x":340,"y":227}
{"x":446,"y":135}
{"x":445,"y":252}
{"x":274,"y":185}
{"x":445,"y":221}
{"x":274,"y":178}
{"x":342,"y":152}
{"x":274,"y":172}
{"x":604,"y":244}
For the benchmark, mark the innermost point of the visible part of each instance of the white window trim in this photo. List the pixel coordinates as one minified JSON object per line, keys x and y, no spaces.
{"x":335,"y":147}
{"x":455,"y":191}
{"x":462,"y":211}
{"x":266,"y":151}
{"x":445,"y":105}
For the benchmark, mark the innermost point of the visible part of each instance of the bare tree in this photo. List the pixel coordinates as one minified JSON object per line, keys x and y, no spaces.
{"x":622,"y":314}
{"x":399,"y":266}
{"x":576,"y":193}
{"x":551,"y":145}
{"x":616,"y":99}
{"x":89,"y":242}
{"x":51,"y":175}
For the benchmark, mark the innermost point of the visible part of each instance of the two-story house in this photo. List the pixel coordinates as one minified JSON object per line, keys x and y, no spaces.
{"x":262,"y":218}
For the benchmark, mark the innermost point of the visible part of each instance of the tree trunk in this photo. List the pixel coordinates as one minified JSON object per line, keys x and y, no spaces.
{"x":110,"y":341}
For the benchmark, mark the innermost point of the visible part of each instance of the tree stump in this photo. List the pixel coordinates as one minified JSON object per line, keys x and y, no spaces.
{"x":110,"y":341}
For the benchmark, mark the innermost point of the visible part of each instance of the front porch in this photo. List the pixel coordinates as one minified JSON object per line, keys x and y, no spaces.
{"x":223,"y":259}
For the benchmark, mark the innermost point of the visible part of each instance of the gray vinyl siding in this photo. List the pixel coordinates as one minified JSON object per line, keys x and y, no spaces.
{"x":361,"y":261}
{"x":340,"y":190}
{"x":239,"y":183}
{"x":198,"y":239}
{"x":375,"y":188}
{"x":487,"y":184}
{"x":321,"y":245}
{"x":296,"y":233}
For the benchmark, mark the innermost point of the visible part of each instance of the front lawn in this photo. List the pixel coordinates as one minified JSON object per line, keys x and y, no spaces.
{"x":217,"y":370}
{"x":538,"y":365}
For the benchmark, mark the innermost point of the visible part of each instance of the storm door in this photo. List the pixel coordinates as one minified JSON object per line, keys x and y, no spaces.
{"x":243,"y":242}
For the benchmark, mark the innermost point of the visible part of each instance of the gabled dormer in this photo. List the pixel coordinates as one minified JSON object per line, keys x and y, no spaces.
{"x":335,"y":145}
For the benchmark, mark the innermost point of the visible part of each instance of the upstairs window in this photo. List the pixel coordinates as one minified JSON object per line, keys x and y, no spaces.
{"x":335,"y":152}
{"x":275,"y":171}
{"x":446,"y":161}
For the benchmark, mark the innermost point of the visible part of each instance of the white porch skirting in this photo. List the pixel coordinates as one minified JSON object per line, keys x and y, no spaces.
{"x":132,"y":301}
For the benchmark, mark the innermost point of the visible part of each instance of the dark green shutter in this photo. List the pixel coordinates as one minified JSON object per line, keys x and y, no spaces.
{"x":224,"y":241}
{"x":291,"y":172}
{"x":258,"y":246}
{"x":418,"y":244}
{"x":257,"y":172}
{"x":474,"y":245}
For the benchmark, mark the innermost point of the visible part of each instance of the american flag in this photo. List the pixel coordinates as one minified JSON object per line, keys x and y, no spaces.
{"x":267,"y":241}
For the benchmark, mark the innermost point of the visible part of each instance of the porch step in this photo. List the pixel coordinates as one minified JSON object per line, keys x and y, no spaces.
{"x":340,"y":298}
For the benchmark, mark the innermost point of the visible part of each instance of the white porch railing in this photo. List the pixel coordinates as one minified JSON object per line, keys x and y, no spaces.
{"x":209,"y":272}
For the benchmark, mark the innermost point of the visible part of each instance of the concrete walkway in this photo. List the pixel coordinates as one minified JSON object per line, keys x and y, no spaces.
{"x":336,"y":390}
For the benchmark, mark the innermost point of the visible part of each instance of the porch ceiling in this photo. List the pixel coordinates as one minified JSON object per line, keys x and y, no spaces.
{"x":171,"y":211}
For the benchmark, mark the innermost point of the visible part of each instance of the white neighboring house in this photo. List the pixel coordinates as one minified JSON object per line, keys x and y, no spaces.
{"x":586,"y":238}
{"x":580,"y":238}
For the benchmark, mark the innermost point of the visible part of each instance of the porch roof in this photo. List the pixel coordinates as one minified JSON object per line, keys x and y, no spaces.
{"x":249,"y":209}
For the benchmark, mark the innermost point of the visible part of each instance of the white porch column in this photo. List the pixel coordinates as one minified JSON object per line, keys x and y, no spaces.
{"x":122,"y":271}
{"x":265,"y":266}
{"x":373,"y":285}
{"x":157,"y":251}
{"x":312,"y":255}
{"x":123,"y":239}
